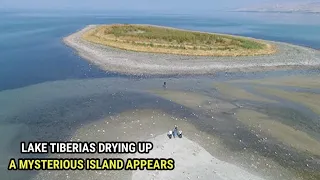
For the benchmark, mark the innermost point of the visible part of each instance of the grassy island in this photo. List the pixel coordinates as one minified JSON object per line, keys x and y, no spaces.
{"x":154,"y":39}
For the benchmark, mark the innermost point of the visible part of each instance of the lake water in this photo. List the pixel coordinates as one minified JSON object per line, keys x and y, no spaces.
{"x":48,"y":93}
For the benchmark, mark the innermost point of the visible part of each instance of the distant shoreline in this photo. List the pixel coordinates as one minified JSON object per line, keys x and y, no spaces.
{"x":141,"y":63}
{"x":284,"y":12}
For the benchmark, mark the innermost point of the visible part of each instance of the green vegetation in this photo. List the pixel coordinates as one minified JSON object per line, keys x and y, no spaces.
{"x":173,"y":41}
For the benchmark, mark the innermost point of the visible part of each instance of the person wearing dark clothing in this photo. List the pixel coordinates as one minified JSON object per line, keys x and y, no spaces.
{"x":164,"y":85}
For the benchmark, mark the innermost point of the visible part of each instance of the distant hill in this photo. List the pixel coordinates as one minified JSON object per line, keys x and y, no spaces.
{"x":307,"y":7}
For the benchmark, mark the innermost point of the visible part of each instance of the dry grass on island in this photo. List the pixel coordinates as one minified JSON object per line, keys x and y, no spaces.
{"x":154,"y":39}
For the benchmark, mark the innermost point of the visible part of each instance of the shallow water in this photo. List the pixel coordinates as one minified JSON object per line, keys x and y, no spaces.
{"x":47,"y":109}
{"x":48,"y":93}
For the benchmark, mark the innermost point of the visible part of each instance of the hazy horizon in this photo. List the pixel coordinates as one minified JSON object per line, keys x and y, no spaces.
{"x":138,"y":5}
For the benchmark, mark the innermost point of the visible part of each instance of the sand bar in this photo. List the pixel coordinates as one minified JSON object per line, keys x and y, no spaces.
{"x":139,"y":63}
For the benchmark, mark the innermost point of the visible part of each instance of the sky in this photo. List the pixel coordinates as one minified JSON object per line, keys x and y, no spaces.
{"x":151,"y":5}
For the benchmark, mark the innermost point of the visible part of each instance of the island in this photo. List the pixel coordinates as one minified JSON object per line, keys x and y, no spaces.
{"x":157,"y":39}
{"x":137,"y":49}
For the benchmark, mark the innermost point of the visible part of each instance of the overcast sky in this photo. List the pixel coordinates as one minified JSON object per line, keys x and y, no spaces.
{"x":177,"y":5}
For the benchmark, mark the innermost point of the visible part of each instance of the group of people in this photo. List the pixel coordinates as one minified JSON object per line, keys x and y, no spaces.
{"x":175,"y":133}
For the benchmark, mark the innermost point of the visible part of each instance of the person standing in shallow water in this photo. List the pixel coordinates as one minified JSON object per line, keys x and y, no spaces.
{"x":164,"y":85}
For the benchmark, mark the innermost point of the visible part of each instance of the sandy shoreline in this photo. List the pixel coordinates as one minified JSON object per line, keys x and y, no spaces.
{"x":138,"y":63}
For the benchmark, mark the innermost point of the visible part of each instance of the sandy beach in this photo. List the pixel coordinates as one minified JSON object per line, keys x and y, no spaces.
{"x":138,"y":63}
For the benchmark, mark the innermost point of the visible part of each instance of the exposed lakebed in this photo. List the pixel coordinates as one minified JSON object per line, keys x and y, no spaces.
{"x":262,"y":128}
